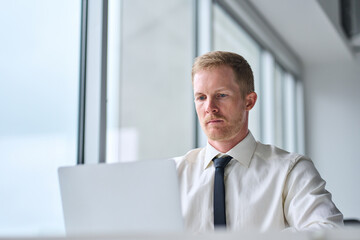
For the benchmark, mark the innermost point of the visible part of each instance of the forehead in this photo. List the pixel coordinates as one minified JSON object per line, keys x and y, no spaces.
{"x":215,"y":78}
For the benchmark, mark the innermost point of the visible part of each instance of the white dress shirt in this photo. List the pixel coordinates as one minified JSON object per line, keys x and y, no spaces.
{"x":266,"y":189}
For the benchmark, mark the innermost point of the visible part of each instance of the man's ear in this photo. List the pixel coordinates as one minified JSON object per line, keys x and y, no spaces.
{"x":250,"y":100}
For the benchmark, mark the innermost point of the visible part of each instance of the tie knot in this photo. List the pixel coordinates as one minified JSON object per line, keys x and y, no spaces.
{"x":222,"y":161}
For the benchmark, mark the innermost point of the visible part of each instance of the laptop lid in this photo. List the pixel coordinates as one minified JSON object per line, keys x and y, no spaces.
{"x":140,"y":196}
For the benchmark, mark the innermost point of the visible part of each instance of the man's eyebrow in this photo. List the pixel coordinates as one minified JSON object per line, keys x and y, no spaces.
{"x":223,"y":89}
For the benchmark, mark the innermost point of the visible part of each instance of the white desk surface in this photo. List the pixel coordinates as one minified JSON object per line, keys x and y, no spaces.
{"x":343,"y":234}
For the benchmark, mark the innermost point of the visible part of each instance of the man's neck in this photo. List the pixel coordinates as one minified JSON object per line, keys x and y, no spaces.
{"x":227,"y":145}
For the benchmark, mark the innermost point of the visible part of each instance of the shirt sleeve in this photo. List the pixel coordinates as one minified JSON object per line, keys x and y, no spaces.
{"x":307,"y":204}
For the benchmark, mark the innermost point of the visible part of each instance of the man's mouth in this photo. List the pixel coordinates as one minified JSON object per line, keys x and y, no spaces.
{"x":214,"y":121}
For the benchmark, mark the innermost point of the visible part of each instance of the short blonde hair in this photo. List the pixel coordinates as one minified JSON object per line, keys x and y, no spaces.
{"x":237,"y":63}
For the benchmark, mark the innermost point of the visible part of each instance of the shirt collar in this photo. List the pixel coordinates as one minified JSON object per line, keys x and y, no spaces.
{"x":242,"y":152}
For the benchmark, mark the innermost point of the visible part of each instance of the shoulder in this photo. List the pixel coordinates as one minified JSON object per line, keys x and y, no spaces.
{"x":190,"y":157}
{"x":273,"y":155}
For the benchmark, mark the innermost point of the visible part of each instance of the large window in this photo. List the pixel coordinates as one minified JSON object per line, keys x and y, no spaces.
{"x":39,"y":72}
{"x":276,"y":118}
{"x":229,"y":36}
{"x":150,"y":109}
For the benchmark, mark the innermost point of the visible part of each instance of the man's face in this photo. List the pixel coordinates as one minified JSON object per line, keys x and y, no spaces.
{"x":221,"y":109}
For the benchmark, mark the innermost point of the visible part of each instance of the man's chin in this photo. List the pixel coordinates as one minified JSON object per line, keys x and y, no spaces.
{"x":220,"y":134}
{"x":216,"y":136}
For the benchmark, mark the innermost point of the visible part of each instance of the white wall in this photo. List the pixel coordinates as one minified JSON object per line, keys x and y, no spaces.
{"x":332,"y":115}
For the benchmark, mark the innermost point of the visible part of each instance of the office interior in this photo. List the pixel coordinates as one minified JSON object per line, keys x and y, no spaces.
{"x":104,"y":81}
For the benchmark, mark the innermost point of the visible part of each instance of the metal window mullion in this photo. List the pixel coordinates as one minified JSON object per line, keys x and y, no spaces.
{"x":103,"y":90}
{"x":82,"y":84}
{"x":92,"y":120}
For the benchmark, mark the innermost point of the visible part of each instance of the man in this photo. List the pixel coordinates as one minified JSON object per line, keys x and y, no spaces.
{"x":266,"y":188}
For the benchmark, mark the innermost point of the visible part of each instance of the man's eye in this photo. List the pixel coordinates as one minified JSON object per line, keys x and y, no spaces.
{"x":221,"y":95}
{"x":201,"y":98}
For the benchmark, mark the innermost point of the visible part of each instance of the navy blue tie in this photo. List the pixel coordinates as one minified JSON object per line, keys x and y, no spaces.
{"x":219,"y":191}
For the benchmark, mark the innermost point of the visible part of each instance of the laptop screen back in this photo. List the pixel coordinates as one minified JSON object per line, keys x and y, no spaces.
{"x":115,"y":198}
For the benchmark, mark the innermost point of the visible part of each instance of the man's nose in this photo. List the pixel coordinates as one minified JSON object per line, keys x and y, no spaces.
{"x":211,"y":106}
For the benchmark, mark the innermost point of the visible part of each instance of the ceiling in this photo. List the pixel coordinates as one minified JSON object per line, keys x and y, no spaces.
{"x":307,"y":30}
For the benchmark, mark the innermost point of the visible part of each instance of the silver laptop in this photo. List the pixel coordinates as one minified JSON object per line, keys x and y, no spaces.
{"x":117,"y":198}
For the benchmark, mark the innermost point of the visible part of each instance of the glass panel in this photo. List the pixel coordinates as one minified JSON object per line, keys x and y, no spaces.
{"x":229,"y":36}
{"x":279,"y":106}
{"x":150,"y":102}
{"x":268,"y":99}
{"x":300,"y":120}
{"x":290,"y":113}
{"x":39,"y":71}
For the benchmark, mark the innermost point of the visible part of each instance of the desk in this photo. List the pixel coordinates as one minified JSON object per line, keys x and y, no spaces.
{"x":343,"y":234}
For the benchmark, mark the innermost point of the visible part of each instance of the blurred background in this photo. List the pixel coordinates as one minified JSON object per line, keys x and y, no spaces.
{"x":89,"y":81}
